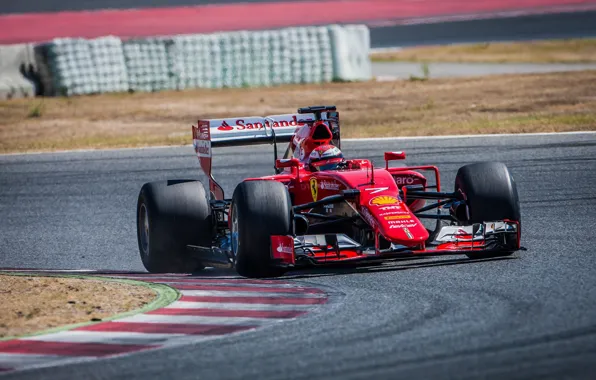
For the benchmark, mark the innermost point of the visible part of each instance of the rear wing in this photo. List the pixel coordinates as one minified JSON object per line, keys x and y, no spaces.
{"x":211,"y":133}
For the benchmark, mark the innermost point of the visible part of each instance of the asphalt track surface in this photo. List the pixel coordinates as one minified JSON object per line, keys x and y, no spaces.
{"x":405,"y":70}
{"x":520,"y":28}
{"x":531,"y":316}
{"x":31,"y":6}
{"x":418,"y":24}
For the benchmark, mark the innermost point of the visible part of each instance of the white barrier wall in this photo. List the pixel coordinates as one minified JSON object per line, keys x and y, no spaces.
{"x":16,"y":68}
{"x":351,"y":49}
{"x":219,"y":60}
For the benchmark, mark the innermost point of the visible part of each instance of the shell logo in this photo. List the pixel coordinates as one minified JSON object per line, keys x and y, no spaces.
{"x":383,"y":200}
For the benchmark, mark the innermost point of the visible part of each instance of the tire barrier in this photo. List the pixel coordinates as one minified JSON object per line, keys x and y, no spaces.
{"x":76,"y":66}
{"x":108,"y":56}
{"x":72,"y":68}
{"x":148,"y":64}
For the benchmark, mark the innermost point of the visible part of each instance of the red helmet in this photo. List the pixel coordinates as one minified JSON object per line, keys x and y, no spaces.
{"x":325,"y":157}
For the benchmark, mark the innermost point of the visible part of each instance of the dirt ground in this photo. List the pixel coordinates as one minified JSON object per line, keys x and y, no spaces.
{"x":550,"y":102}
{"x":30,"y":304}
{"x":554,"y":51}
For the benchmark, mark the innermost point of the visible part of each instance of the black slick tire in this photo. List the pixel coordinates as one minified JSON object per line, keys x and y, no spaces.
{"x":171,"y":215}
{"x":491,"y":195}
{"x":259,"y":209}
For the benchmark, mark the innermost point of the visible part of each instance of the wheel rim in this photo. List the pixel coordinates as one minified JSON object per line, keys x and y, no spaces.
{"x":144,"y":229}
{"x":234,"y":233}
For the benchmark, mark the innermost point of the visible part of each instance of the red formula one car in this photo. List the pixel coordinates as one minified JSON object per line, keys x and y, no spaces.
{"x":320,"y":208}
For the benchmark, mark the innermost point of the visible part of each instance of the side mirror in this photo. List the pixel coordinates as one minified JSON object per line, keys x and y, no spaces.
{"x":351,"y":194}
{"x":287,"y":163}
{"x":393,"y":156}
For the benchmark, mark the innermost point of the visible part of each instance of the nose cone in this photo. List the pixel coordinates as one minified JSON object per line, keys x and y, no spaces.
{"x":410,"y":233}
{"x":398,"y":225}
{"x":386,"y":211}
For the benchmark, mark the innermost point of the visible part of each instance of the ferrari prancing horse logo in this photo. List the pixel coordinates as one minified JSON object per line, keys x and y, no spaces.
{"x":314,"y":189}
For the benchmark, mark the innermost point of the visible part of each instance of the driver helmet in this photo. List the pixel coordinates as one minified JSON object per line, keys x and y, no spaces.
{"x":325,"y":157}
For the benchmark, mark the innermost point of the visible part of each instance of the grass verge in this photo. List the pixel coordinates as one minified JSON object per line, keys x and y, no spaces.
{"x":553,"y":51}
{"x":41,"y":304}
{"x":551,"y":102}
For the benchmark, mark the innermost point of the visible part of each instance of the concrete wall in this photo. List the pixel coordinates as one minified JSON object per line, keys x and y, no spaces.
{"x":17,"y":71}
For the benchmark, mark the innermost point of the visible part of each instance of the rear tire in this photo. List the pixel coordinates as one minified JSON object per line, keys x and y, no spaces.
{"x":491,"y":195}
{"x":259,"y":209}
{"x":171,"y":215}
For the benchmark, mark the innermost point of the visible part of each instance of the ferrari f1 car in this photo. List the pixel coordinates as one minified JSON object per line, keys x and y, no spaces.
{"x":304,"y":216}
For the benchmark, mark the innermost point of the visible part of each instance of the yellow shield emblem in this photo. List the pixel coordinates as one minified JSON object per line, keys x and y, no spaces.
{"x":314,"y":189}
{"x":383,"y":200}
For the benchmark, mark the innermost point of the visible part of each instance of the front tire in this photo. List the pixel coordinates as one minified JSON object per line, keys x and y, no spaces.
{"x":259,"y":209}
{"x":491,"y":195}
{"x":171,"y":215}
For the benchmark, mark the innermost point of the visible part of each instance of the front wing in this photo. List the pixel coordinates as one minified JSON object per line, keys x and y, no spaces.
{"x":315,"y":250}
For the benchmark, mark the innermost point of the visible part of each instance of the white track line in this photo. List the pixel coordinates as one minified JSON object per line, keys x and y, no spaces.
{"x":108,"y":337}
{"x":485,"y":15}
{"x":355,"y":139}
{"x":17,"y":361}
{"x":231,"y":284}
{"x":92,"y":271}
{"x":450,"y":137}
{"x":237,"y":306}
{"x":191,"y":319}
{"x":226,"y":293}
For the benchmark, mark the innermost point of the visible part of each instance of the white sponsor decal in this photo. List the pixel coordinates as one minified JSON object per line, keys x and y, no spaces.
{"x":374,"y":190}
{"x":411,"y":225}
{"x":404,"y":180}
{"x":460,"y":233}
{"x":284,"y":249}
{"x":400,"y":221}
{"x":500,"y":227}
{"x":257,"y":123}
{"x":396,"y":212}
{"x":391,"y":208}
{"x":327,"y":185}
{"x":203,"y":148}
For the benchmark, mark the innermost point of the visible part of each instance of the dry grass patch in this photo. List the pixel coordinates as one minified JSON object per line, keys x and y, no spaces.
{"x":555,"y":51}
{"x":30,"y":304}
{"x":495,"y":104}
